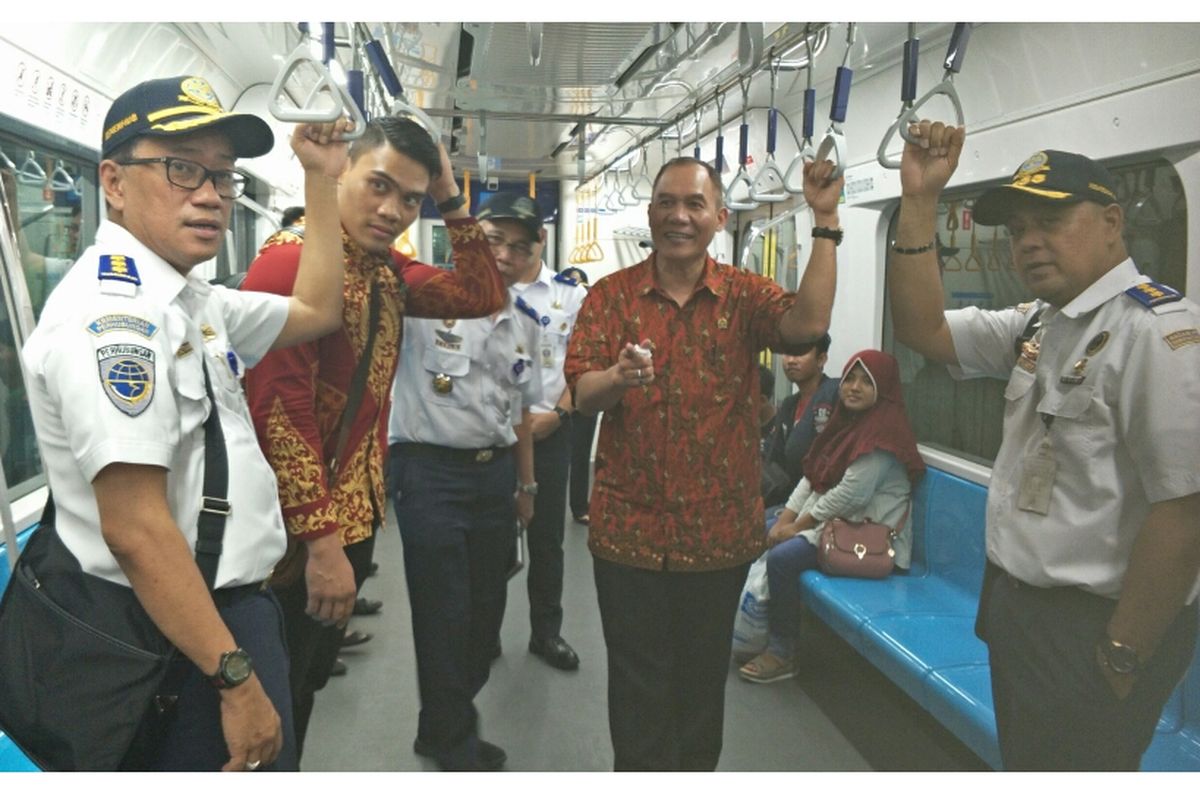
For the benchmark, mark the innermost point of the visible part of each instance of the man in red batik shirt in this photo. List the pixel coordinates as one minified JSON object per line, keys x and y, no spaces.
{"x":329,"y":467}
{"x":668,"y":350}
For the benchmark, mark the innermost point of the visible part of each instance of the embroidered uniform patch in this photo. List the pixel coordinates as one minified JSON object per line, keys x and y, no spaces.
{"x":1182,"y":338}
{"x":119,"y":268}
{"x":1153,"y":294}
{"x":122,"y":322}
{"x":127,"y":375}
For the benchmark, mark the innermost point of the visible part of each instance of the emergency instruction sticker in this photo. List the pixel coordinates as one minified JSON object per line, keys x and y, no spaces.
{"x":127,"y":375}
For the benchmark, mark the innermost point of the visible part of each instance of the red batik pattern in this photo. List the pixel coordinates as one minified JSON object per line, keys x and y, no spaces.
{"x":677,"y":466}
{"x":297,"y":394}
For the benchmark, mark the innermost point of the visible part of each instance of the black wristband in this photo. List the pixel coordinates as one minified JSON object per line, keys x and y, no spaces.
{"x":563,"y":414}
{"x":828,"y":233}
{"x":452,"y":203}
{"x":913,"y":251}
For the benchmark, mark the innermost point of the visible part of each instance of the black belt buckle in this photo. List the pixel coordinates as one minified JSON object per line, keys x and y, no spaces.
{"x":215,"y":505}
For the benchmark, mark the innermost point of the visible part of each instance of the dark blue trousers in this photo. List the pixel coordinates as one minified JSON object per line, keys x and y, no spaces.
{"x":457,"y":522}
{"x":189,"y":737}
{"x":785,"y":562}
{"x":551,"y":462}
{"x":1054,"y":708}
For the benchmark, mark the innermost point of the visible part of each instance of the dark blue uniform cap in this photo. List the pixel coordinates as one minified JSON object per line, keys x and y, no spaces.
{"x":176,"y":107}
{"x":517,"y":207}
{"x":1050,"y":176}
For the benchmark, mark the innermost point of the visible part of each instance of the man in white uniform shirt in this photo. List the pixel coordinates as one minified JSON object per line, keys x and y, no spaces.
{"x":460,"y":473}
{"x":1088,"y":604}
{"x":118,"y":368}
{"x":513,"y":226}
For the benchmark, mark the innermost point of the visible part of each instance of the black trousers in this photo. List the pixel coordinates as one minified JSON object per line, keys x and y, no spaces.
{"x":457,"y":523}
{"x":551,"y":460}
{"x":313,"y":647}
{"x":1054,"y":709}
{"x":669,"y":637}
{"x":583,"y":430}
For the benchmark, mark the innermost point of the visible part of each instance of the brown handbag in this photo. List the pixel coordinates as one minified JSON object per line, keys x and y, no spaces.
{"x":858,"y":549}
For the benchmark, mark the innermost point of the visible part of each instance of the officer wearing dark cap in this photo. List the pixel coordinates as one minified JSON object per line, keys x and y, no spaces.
{"x":119,"y":365}
{"x":1088,"y":604}
{"x":461,"y":473}
{"x":513,"y":226}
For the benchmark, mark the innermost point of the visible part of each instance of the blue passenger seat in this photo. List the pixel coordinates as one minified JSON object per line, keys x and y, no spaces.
{"x":11,"y":757}
{"x":918,"y":628}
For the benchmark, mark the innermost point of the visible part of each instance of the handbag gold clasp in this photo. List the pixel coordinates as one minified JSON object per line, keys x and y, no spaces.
{"x":860,"y":550}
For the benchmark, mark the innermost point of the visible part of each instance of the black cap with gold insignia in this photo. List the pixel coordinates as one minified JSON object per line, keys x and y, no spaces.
{"x":1052,"y":176}
{"x":177,"y":106}
{"x":512,"y":205}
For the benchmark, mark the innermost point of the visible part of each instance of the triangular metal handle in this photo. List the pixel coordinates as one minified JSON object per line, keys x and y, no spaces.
{"x":301,"y":56}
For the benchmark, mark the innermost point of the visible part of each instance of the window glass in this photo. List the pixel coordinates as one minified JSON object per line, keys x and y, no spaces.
{"x":50,"y":213}
{"x":48,"y":192}
{"x":442,"y":254}
{"x":965,"y":417}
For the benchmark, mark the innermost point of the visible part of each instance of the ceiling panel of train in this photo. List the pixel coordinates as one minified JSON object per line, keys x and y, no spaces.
{"x":521,"y":93}
{"x":530,"y":97}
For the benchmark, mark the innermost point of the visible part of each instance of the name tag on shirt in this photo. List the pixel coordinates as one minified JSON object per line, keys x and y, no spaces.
{"x":1037,"y":480}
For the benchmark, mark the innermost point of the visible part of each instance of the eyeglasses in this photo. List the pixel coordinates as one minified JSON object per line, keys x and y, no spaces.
{"x":522,"y":250}
{"x":230,"y":184}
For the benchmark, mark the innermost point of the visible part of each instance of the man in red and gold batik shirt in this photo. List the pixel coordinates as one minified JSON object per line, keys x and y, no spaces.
{"x":329,"y":460}
{"x":668,"y":350}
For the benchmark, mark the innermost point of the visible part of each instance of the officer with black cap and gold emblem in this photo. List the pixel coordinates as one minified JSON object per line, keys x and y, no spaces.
{"x":1089,"y":599}
{"x":125,"y":449}
{"x":460,"y":474}
{"x":513,"y":226}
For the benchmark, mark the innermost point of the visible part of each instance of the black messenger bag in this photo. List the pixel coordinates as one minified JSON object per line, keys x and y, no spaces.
{"x":81,"y":662}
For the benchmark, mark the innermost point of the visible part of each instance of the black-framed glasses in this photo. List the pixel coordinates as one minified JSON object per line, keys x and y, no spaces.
{"x":522,"y":250}
{"x":229,"y":183}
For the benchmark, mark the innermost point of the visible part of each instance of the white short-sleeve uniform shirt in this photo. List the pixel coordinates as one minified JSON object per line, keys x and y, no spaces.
{"x":464,"y":382}
{"x":116,"y":376}
{"x":1114,"y":393}
{"x":556,"y":301}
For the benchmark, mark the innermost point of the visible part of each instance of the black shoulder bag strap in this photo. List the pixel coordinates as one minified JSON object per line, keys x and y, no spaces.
{"x":214,"y":505}
{"x":358,"y":384}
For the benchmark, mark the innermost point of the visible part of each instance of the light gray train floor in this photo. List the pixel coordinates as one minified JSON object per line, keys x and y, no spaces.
{"x":839,"y":714}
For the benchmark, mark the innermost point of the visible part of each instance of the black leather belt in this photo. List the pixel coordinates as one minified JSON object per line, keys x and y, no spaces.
{"x":484,"y":455}
{"x":232,"y":595}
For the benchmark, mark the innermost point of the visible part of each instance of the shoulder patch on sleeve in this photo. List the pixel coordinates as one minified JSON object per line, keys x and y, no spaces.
{"x":1151,"y":294}
{"x":127,"y":375}
{"x":1182,"y":338}
{"x":119,"y":268}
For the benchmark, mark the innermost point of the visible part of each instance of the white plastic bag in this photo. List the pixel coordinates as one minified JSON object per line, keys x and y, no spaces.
{"x":750,"y":624}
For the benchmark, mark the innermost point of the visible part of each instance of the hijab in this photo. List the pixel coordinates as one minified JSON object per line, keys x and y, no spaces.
{"x":848,"y":435}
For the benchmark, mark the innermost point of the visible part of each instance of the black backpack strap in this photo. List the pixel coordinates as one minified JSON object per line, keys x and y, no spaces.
{"x":214,"y":505}
{"x":358,"y":384}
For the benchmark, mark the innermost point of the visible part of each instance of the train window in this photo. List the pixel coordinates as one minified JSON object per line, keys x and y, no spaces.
{"x":47,"y":191}
{"x":964,"y":417}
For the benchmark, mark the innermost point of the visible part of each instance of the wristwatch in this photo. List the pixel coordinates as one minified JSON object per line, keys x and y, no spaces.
{"x":452,"y":203}
{"x":528,"y":488}
{"x":1120,"y":658}
{"x":235,"y":669}
{"x":563,"y":414}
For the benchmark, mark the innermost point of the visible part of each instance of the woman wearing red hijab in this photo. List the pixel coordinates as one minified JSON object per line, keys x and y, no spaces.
{"x":863,"y":465}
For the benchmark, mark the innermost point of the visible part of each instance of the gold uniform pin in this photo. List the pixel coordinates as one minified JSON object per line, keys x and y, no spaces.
{"x":208,"y":332}
{"x":1096,"y":343}
{"x":443,"y":383}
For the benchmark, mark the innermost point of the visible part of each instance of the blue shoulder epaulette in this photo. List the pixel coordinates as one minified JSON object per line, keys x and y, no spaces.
{"x":1153,"y":294}
{"x":525,"y":308}
{"x":119,"y":268}
{"x":567,"y":279}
